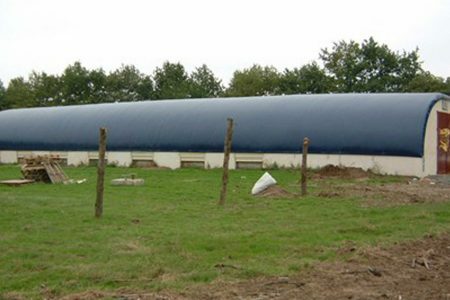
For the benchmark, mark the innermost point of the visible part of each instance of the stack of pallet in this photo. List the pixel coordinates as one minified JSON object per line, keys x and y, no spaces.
{"x":43,"y":168}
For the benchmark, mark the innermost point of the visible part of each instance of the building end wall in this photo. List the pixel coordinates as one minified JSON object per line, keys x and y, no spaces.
{"x":431,"y":141}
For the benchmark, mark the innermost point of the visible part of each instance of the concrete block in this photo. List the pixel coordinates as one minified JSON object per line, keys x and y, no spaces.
{"x":8,"y":157}
{"x":120,"y":159}
{"x":77,"y":158}
{"x":167,"y":159}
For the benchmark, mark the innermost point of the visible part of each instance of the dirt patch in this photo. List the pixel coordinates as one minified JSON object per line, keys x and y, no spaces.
{"x":372,"y":273}
{"x":390,"y":194}
{"x":411,"y":270}
{"x":122,"y":295}
{"x":275,"y":191}
{"x":431,"y":189}
{"x":341,"y":172}
{"x":441,"y":180}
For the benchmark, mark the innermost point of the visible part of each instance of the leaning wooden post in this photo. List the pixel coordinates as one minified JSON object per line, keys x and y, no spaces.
{"x":304,"y":165}
{"x":226,"y":160}
{"x":100,"y":173}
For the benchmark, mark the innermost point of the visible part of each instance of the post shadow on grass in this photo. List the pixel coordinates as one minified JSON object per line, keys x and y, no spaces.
{"x":100,"y":173}
{"x":226,"y":160}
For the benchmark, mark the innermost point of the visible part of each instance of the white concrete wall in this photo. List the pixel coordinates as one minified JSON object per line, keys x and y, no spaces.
{"x":394,"y":165}
{"x":139,"y":155}
{"x":22,"y":154}
{"x":120,"y":159}
{"x":40,"y":153}
{"x":215,"y":160}
{"x":8,"y":157}
{"x":60,"y":154}
{"x":167,"y":159}
{"x":284,"y":160}
{"x":77,"y":158}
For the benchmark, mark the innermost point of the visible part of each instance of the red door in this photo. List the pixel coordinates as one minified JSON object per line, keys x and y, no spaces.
{"x":443,"y":132}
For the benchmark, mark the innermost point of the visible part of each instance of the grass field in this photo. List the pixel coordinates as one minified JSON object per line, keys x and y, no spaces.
{"x":170,"y":233}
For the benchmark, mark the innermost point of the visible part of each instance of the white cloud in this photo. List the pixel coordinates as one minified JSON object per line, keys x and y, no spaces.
{"x":48,"y":35}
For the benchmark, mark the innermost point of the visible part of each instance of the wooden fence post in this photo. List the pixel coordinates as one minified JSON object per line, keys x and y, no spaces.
{"x":100,"y":173}
{"x":226,"y":160}
{"x":304,"y":165}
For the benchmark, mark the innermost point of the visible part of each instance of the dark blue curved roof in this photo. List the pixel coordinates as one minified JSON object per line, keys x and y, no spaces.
{"x":374,"y":124}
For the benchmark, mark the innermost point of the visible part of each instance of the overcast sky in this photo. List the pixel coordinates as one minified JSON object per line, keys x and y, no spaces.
{"x":48,"y":35}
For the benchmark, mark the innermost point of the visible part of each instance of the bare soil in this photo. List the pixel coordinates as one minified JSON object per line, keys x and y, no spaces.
{"x":410,"y":191}
{"x":411,"y":270}
{"x":390,"y":194}
{"x":414,"y":270}
{"x":341,"y":172}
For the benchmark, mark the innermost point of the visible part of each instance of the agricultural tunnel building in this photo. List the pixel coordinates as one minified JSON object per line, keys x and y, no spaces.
{"x":404,"y":134}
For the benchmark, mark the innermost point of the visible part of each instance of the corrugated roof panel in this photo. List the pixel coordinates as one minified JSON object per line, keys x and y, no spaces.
{"x":373,"y":124}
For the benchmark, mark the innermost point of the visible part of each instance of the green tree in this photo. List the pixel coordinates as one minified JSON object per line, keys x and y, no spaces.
{"x":255,"y":81}
{"x":369,"y":67}
{"x":203,"y":83}
{"x":75,"y":85}
{"x":47,"y":89}
{"x":427,"y":82}
{"x":97,"y":86}
{"x":171,"y":82}
{"x":2,"y":97}
{"x":309,"y":79}
{"x":145,"y":88}
{"x":129,"y":84}
{"x":19,"y":94}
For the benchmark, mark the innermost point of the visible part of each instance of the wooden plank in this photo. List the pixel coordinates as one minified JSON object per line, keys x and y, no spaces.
{"x":36,"y":168}
{"x":51,"y":173}
{"x":55,"y":172}
{"x":61,"y":172}
{"x":16,"y":182}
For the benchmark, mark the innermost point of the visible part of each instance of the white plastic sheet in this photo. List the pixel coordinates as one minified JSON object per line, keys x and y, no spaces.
{"x":263,"y":183}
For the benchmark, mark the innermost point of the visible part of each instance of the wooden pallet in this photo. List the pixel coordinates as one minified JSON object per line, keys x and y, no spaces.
{"x":44,"y":168}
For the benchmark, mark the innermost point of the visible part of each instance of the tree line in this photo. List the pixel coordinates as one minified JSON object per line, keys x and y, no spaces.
{"x":346,"y":67}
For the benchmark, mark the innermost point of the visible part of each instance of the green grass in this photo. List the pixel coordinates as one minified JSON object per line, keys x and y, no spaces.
{"x":170,"y":233}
